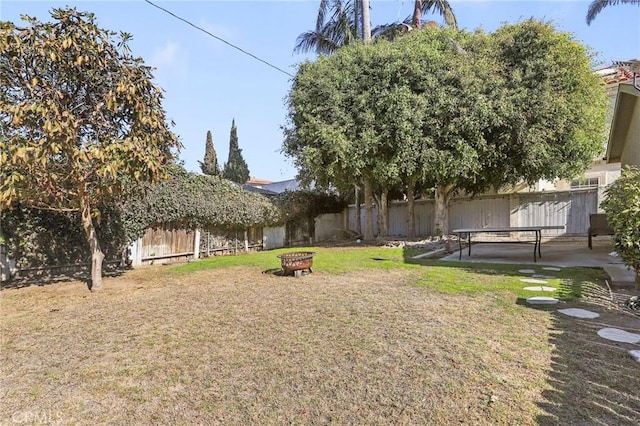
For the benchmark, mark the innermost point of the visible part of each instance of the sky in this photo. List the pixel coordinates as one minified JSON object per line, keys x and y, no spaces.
{"x":208,"y":83}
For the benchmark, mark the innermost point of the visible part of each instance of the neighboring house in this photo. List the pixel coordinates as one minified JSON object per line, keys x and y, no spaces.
{"x":617,"y":80}
{"x":285,"y":185}
{"x":274,"y":187}
{"x":624,"y":138}
{"x":278,"y":236}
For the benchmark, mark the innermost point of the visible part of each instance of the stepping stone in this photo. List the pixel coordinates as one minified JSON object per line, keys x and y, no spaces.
{"x":542,"y":276}
{"x":542,"y":300}
{"x":526,"y":271}
{"x":533,"y":281}
{"x":579,"y":313}
{"x":551,"y":268}
{"x":635,"y":354}
{"x":540,"y":288}
{"x":619,"y":335}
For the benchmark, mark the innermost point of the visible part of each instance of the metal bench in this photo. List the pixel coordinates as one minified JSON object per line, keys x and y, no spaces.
{"x":598,"y":225}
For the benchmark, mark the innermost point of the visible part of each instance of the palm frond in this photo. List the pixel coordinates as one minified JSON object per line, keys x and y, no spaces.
{"x":597,"y":5}
{"x":391,"y":31}
{"x":442,"y":8}
{"x":314,"y":41}
{"x":322,"y":10}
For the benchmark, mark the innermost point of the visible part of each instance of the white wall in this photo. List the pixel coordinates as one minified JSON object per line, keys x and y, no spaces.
{"x":570,"y":209}
{"x":273,"y":238}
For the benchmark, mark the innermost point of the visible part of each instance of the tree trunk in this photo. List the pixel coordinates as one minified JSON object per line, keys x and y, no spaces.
{"x":357,"y":22}
{"x":383,"y":213}
{"x":443,"y":198}
{"x":311,"y":229}
{"x":384,"y":200}
{"x":411,"y":201}
{"x":366,"y":22}
{"x":368,"y":210}
{"x":94,"y":245}
{"x":417,"y":14}
{"x":358,"y":213}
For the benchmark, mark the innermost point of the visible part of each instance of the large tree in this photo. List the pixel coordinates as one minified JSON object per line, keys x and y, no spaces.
{"x":597,"y":6}
{"x":235,"y":169}
{"x":463,"y":112}
{"x":80,"y":119}
{"x":209,"y":165}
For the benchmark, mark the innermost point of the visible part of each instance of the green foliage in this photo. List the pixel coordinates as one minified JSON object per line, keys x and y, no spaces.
{"x":190,"y":200}
{"x":236,"y":168}
{"x":622,"y":205}
{"x":210,"y":164}
{"x":77,"y":111}
{"x":80,"y":120}
{"x":448,"y":108}
{"x":302,"y":205}
{"x":551,"y":108}
{"x":37,"y":238}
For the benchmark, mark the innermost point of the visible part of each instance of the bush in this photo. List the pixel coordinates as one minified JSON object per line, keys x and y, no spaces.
{"x":622,"y":204}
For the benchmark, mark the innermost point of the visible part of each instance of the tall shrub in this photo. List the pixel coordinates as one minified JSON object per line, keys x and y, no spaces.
{"x":622,"y":204}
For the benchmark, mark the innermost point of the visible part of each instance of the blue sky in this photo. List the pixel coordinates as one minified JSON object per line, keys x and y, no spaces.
{"x":208,"y":83}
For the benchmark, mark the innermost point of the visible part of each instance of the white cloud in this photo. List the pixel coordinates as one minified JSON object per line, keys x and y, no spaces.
{"x":169,"y":60}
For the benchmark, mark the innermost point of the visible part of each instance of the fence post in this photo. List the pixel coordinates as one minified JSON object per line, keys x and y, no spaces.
{"x":135,"y":252}
{"x":514,"y":210}
{"x":196,"y":245}
{"x":599,"y":198}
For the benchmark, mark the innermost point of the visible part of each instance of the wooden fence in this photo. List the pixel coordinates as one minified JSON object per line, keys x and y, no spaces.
{"x":169,"y":244}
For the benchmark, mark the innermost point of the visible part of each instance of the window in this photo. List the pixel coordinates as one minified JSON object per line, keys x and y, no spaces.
{"x":584,"y":182}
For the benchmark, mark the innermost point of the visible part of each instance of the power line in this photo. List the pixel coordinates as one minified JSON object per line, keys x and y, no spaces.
{"x":218,"y":38}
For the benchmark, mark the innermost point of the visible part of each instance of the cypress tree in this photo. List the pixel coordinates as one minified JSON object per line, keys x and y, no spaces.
{"x":236,"y":168}
{"x":210,"y":164}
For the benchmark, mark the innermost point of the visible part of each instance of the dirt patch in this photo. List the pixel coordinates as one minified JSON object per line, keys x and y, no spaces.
{"x":235,"y":346}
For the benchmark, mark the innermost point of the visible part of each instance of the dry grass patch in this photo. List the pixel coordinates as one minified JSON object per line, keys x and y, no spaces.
{"x":234,"y":346}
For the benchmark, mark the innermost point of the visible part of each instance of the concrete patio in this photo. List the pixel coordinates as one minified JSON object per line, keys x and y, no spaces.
{"x":554,"y":253}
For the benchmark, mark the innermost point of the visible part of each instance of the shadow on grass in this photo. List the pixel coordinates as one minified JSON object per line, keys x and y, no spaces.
{"x":48,"y":276}
{"x":279,"y":272}
{"x":573,"y":280}
{"x":591,"y":381}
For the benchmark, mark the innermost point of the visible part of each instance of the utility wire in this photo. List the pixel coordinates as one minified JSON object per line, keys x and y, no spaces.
{"x":218,"y":38}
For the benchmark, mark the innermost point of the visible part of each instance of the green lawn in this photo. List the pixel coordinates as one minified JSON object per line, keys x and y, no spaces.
{"x":448,"y":277}
{"x":371,"y":337}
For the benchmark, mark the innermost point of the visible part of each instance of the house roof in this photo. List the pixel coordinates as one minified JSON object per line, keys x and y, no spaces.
{"x":285,"y":185}
{"x":258,"y":190}
{"x":254,"y":181}
{"x":614,"y":74}
{"x":622,"y":133}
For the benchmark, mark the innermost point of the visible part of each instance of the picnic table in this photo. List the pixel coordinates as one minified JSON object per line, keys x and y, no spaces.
{"x":537,"y":232}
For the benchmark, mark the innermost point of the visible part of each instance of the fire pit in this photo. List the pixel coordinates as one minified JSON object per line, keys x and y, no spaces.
{"x":296,"y":262}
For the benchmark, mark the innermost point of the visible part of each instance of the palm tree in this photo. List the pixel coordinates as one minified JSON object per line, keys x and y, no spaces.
{"x":337,"y":25}
{"x":597,"y":5}
{"x":340,"y":23}
{"x":442,"y":7}
{"x":421,"y":8}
